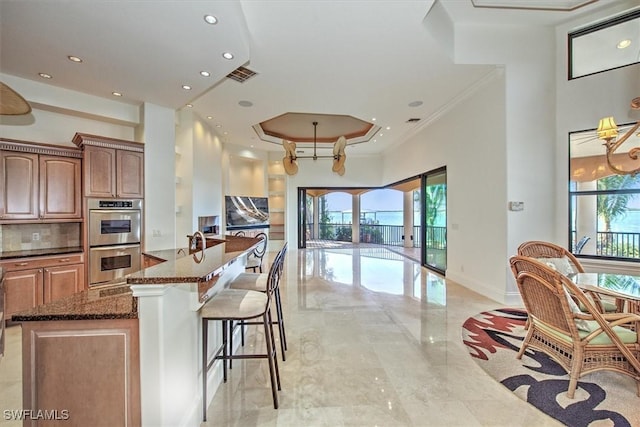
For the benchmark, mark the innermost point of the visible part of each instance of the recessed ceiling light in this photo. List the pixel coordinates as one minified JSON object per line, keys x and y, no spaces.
{"x":210,"y":19}
{"x":227,"y":55}
{"x":245,"y":103}
{"x":189,"y":105}
{"x":225,"y":133}
{"x":205,"y":73}
{"x":382,"y":134}
{"x":415,"y":104}
{"x":74,"y":58}
{"x":116,"y":94}
{"x":209,"y":117}
{"x":373,"y":119}
{"x":218,"y":126}
{"x":624,"y":43}
{"x":186,"y":87}
{"x":45,"y":75}
{"x":388,"y":127}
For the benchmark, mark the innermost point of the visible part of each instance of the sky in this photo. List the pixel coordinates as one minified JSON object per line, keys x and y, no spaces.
{"x":376,"y":200}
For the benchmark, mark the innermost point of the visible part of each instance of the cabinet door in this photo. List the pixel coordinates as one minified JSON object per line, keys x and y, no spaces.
{"x":62,"y":281}
{"x":19,"y":185}
{"x":60,"y":187}
{"x":99,"y":172}
{"x":130,"y":174}
{"x":23,"y":290}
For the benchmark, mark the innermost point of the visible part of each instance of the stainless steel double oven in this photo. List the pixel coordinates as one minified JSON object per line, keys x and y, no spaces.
{"x":115,"y":227}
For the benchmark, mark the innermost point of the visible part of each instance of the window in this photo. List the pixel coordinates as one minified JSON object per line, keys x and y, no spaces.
{"x":604,"y":208}
{"x":604,"y":46}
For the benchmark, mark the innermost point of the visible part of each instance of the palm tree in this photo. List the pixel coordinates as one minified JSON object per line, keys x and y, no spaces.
{"x":613,"y":206}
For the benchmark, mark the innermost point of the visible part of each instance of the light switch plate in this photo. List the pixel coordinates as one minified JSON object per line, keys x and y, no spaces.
{"x":516,"y":206}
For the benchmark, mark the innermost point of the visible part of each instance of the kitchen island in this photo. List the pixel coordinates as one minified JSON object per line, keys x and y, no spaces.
{"x":128,"y":353}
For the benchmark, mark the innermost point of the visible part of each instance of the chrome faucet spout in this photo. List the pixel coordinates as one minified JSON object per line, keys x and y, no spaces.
{"x":202,"y":239}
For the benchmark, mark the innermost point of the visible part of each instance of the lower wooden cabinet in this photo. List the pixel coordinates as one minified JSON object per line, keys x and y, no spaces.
{"x":30,"y":282}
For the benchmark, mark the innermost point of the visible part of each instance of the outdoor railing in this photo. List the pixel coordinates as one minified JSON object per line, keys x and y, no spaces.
{"x":619,"y":245}
{"x":381,"y":234}
{"x":614,"y":244}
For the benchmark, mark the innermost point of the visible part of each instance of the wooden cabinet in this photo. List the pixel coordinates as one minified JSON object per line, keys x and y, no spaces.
{"x":129,"y":174}
{"x":22,"y":290}
{"x":39,"y":187}
{"x":99,"y":172}
{"x":112,"y":168}
{"x":62,"y":281}
{"x":29,"y":282}
{"x":19,"y":185}
{"x":60,"y":188}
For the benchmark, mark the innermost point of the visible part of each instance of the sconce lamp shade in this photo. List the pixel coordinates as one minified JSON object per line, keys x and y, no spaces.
{"x":607,"y":129}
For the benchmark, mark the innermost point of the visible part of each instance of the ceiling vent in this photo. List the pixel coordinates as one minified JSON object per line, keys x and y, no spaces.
{"x":413,"y":120}
{"x":241,"y":74}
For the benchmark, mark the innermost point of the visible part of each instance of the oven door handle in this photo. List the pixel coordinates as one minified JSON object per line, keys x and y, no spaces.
{"x":114,"y":247}
{"x":115,"y":211}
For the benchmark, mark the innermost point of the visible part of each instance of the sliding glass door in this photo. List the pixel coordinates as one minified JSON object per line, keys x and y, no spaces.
{"x":434,"y":224}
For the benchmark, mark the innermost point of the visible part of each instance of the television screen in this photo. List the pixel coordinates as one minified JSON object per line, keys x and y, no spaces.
{"x":246,"y":212}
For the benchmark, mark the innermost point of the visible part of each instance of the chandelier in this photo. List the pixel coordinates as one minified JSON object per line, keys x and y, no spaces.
{"x":290,"y":160}
{"x":608,"y":132}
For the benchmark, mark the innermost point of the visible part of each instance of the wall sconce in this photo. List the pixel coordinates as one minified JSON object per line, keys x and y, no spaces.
{"x":608,"y":132}
{"x":290,"y":159}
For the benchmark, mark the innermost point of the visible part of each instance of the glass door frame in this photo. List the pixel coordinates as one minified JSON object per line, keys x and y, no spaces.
{"x":423,"y":225}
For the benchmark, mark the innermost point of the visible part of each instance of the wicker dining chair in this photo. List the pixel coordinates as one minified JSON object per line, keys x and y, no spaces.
{"x":580,"y":341}
{"x":566,"y":263}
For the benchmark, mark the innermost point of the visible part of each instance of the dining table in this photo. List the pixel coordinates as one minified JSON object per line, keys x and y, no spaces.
{"x":623,"y":288}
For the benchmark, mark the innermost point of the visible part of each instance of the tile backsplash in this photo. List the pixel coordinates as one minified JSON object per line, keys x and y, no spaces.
{"x":22,"y":237}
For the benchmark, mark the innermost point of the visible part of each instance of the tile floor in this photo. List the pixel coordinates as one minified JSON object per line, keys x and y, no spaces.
{"x":373,"y":340}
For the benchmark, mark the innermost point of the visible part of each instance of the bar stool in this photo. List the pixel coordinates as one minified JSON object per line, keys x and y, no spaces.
{"x":254,"y":260}
{"x":238,"y":305}
{"x":260,"y":283}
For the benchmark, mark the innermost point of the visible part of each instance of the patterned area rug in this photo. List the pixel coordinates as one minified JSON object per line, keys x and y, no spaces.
{"x":602,"y":398}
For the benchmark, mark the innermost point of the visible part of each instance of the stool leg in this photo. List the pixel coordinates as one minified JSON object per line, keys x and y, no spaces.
{"x":224,"y":351}
{"x":273,"y":348}
{"x":230,"y":343}
{"x":204,"y":368}
{"x":270,"y":358}
{"x":283,"y":337}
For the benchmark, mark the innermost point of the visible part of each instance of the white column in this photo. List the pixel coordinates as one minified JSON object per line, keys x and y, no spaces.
{"x":407,"y":209}
{"x":587,"y":216}
{"x":355,"y":218}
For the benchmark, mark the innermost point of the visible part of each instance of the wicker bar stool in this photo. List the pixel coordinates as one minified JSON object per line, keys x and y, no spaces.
{"x":238,"y":305}
{"x":261,"y":283}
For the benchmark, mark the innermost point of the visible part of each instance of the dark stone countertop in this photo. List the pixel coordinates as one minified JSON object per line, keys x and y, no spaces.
{"x":116,"y":301}
{"x":39,"y":252}
{"x":102,"y":302}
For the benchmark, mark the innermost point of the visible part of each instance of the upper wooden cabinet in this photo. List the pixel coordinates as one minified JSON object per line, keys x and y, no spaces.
{"x":39,"y":182}
{"x":60,"y":188}
{"x":112,"y":167}
{"x":19,"y":185}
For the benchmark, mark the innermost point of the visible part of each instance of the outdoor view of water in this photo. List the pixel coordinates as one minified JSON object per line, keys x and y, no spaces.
{"x":629,"y":223}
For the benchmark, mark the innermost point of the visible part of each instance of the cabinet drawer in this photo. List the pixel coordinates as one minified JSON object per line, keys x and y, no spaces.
{"x":41,"y":262}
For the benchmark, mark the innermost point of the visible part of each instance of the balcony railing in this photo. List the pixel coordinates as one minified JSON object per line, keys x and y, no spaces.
{"x":381,"y":234}
{"x":615,"y":244}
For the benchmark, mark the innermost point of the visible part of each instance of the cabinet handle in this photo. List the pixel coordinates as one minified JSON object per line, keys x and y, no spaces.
{"x":21,"y":264}
{"x":64,"y":260}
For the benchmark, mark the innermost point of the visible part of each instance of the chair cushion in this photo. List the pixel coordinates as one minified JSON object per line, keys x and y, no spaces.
{"x":581,"y":324}
{"x":250,"y":281}
{"x":561,"y":265}
{"x":253,"y":262}
{"x":609,"y":307}
{"x":627,"y":336}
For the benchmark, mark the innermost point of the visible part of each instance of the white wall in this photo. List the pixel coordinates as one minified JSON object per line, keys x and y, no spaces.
{"x":57,"y":114}
{"x":158,"y":132}
{"x":582,"y":102}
